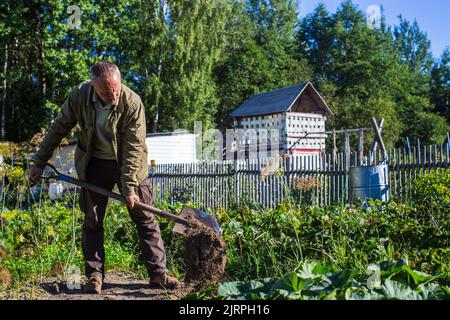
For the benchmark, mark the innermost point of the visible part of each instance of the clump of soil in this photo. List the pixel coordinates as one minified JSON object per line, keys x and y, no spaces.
{"x":205,"y":253}
{"x":5,"y":277}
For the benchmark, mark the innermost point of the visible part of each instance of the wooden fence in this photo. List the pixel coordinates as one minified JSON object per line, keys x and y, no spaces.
{"x":315,"y":179}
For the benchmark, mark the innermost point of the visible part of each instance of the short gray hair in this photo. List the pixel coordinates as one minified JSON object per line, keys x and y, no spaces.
{"x":103,"y":69}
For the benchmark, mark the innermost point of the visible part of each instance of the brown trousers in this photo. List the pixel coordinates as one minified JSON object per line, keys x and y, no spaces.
{"x":105,"y":174}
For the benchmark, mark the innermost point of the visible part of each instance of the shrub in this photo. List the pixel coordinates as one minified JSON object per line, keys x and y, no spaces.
{"x":433,"y":191}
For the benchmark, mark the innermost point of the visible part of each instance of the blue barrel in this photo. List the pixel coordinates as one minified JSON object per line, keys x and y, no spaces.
{"x":370,"y":182}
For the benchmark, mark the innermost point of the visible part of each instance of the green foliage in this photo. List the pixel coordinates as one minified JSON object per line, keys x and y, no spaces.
{"x":197,"y":60}
{"x":344,"y":238}
{"x":365,"y":73}
{"x":342,"y":285}
{"x":440,"y":85}
{"x":270,"y":253}
{"x":432,"y":191}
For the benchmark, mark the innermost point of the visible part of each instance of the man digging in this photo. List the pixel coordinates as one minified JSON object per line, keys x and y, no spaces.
{"x":110,"y":149}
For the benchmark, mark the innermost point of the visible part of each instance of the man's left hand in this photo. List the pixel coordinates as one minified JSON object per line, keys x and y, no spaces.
{"x":131,"y":200}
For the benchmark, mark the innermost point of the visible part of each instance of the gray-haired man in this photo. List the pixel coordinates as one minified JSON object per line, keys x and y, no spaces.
{"x":110,"y":149}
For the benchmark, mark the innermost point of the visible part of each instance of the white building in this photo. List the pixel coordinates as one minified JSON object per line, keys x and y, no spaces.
{"x":297,"y":114}
{"x":171,"y":147}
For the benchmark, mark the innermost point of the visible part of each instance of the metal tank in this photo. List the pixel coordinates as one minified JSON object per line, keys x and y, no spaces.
{"x":370,"y":182}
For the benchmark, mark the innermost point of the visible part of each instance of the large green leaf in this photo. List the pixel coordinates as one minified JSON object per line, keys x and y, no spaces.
{"x":291,"y":282}
{"x":397,"y":291}
{"x":389,"y":268}
{"x":430,"y":291}
{"x":362,"y":294}
{"x":321,"y":270}
{"x":446,"y":291}
{"x":308,"y":271}
{"x":418,"y":276}
{"x":230,"y":289}
{"x":245,"y":290}
{"x":340,"y":279}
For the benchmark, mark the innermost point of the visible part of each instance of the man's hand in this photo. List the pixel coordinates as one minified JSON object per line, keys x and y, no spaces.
{"x":132,"y":200}
{"x":35,"y":174}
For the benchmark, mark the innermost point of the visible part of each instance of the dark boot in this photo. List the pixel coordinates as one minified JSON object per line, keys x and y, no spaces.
{"x":93,"y":285}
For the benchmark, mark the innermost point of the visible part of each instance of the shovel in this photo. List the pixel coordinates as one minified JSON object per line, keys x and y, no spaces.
{"x":181,"y":221}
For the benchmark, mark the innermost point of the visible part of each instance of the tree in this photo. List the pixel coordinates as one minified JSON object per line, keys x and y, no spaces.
{"x":365,"y":72}
{"x":440,"y":85}
{"x":259,"y":54}
{"x":351,"y":66}
{"x":179,"y":43}
{"x":413,"y":45}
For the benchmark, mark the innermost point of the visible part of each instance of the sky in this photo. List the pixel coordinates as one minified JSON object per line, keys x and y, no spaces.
{"x":433,"y":16}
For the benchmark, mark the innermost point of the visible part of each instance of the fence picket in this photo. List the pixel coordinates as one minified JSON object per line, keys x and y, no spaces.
{"x":227,"y":184}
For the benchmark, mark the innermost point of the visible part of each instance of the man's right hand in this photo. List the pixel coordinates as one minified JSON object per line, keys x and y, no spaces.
{"x":35,"y":174}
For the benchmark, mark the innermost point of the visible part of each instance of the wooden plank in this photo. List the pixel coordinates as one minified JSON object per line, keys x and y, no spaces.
{"x":435,"y":158}
{"x":419,"y":154}
{"x":272,"y":191}
{"x":335,"y":182}
{"x":321,"y":187}
{"x":294,"y":177}
{"x":268,"y":191}
{"x":430,"y":159}
{"x":339,"y":178}
{"x":400,"y":184}
{"x":391,"y":172}
{"x":405,"y":174}
{"x":360,"y":147}
{"x":409,"y":175}
{"x":447,"y":152}
{"x":343,"y":170}
{"x":440,"y":157}
{"x":347,"y":150}
{"x":415,"y":164}
{"x":237,"y":195}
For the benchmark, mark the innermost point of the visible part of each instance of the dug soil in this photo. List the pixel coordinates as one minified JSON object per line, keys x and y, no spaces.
{"x":205,"y":254}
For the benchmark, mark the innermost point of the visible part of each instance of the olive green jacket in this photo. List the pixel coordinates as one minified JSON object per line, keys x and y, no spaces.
{"x":127,"y":120}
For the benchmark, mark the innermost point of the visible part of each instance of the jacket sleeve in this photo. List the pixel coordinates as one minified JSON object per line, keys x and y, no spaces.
{"x":133,"y":149}
{"x":64,"y":122}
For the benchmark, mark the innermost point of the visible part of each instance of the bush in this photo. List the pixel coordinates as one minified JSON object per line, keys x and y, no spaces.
{"x":433,"y":191}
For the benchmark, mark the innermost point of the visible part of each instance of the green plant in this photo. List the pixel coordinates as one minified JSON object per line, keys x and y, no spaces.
{"x":313,"y":281}
{"x":433,"y":190}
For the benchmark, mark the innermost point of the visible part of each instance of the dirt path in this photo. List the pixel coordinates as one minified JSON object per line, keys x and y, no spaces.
{"x":117,"y":286}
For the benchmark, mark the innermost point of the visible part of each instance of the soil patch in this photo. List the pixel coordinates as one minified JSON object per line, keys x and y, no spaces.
{"x":116,"y":286}
{"x":205,"y":254}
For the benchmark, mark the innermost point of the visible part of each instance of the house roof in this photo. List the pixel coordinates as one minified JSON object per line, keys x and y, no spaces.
{"x":278,"y":101}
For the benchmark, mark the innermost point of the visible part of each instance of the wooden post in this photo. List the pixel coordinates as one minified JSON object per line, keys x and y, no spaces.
{"x":361,"y":147}
{"x":347,"y":150}
{"x":375,"y":142}
{"x":380,"y":139}
{"x":335,"y":150}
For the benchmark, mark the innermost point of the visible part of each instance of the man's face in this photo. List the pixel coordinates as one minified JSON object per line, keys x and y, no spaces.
{"x":108,"y":88}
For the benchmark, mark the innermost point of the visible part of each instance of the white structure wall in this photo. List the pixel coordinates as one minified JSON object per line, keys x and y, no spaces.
{"x":291,"y":126}
{"x":298,"y":125}
{"x":171,"y":148}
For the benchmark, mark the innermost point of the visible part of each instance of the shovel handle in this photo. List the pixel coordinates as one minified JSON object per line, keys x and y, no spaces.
{"x":116,"y":196}
{"x":161,"y":213}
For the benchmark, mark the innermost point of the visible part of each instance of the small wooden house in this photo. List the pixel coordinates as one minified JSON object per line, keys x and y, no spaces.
{"x":298,"y":114}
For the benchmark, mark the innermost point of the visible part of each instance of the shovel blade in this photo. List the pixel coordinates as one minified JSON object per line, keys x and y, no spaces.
{"x":198,"y":215}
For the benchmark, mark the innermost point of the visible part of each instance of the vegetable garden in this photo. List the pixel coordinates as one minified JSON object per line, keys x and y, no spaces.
{"x":386,"y":251}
